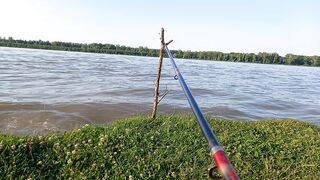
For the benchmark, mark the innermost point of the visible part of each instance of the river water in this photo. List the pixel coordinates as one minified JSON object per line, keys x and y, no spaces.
{"x":42,"y":91}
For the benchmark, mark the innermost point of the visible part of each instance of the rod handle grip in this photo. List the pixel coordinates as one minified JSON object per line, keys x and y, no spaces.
{"x":224,"y":166}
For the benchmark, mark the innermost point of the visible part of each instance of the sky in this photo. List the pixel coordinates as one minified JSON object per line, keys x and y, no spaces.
{"x":251,"y":26}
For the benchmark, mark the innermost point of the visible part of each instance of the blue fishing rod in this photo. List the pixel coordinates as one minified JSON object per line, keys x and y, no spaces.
{"x":217,"y":153}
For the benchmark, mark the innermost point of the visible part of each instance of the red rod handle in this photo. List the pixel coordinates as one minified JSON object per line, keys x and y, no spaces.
{"x":223,"y":164}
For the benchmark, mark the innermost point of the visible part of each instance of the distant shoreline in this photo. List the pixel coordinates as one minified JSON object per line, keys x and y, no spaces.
{"x":261,"y":58}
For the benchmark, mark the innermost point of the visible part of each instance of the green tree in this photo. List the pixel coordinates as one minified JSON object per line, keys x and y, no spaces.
{"x":315,"y":60}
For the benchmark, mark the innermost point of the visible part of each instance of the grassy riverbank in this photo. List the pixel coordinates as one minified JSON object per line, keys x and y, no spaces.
{"x":169,"y":147}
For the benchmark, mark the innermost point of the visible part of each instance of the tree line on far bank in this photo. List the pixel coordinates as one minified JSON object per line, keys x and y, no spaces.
{"x":262,"y":57}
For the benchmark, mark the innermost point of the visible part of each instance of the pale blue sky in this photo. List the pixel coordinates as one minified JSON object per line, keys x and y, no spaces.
{"x":283,"y":26}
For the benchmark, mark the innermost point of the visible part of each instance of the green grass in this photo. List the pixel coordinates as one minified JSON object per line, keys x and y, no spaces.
{"x":170,"y":147}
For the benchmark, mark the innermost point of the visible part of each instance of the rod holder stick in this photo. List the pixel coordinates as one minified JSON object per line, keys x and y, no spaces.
{"x":157,"y":81}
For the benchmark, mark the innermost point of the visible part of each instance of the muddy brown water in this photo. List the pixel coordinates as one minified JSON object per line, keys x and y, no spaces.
{"x":42,"y":91}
